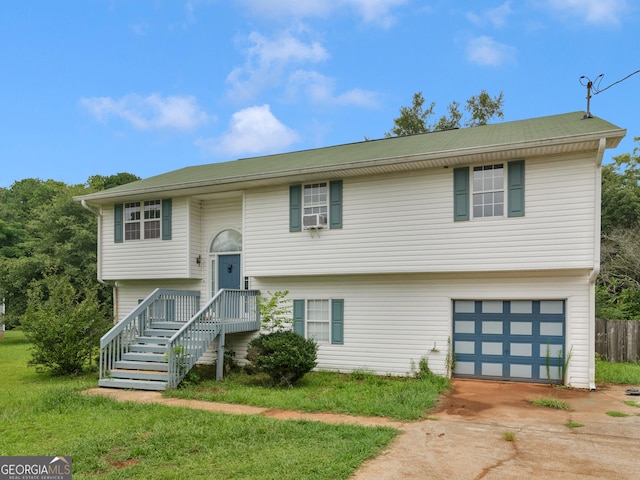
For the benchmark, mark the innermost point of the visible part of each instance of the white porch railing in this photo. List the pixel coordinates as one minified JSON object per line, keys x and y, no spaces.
{"x":160,"y":305}
{"x":229,"y":311}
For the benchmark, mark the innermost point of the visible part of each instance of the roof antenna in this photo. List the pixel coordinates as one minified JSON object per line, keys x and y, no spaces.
{"x":586,"y":82}
{"x":595,"y":85}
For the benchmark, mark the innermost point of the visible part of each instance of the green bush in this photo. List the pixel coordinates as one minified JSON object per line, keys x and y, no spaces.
{"x":284,"y":355}
{"x":63,"y":325}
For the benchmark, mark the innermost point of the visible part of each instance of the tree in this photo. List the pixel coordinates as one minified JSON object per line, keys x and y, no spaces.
{"x":414,"y":119}
{"x":100,"y":182}
{"x":63,"y":325}
{"x":621,"y":191}
{"x":44,"y":232}
{"x":618,"y":288}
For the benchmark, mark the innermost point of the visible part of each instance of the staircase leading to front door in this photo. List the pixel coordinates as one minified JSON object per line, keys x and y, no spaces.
{"x":146,"y":365}
{"x":156,"y":345}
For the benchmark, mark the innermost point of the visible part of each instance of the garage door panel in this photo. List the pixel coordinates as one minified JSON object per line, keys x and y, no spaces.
{"x":512,"y":340}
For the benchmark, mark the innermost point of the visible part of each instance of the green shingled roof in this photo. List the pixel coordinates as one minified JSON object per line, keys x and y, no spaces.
{"x":486,"y":137}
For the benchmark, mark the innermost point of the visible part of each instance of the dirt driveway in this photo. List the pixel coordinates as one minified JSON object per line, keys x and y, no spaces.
{"x":466,"y":437}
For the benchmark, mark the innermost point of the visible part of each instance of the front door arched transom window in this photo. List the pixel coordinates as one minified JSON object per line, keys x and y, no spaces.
{"x":227,"y":241}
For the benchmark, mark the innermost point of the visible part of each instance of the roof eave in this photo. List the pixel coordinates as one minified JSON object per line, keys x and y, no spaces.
{"x":431,"y":159}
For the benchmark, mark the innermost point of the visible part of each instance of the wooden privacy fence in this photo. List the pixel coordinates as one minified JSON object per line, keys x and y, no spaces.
{"x":618,"y":340}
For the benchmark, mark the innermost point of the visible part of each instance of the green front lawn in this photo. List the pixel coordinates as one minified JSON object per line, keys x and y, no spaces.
{"x":40,"y":415}
{"x":359,"y":393}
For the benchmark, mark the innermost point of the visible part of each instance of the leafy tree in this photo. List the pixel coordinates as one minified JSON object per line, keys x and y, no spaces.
{"x":63,"y":325}
{"x":275,"y":311}
{"x":412,"y":119}
{"x":481,"y":109}
{"x":100,"y":182}
{"x":618,"y":289}
{"x":43,"y":233}
{"x":621,"y":191}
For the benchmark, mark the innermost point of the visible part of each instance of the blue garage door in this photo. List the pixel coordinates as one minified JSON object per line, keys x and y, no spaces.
{"x":509,"y":340}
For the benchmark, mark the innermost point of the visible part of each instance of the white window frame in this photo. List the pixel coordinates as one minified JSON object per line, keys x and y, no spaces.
{"x":143,"y":220}
{"x":316,"y":202}
{"x":318,"y":312}
{"x":482,"y":188}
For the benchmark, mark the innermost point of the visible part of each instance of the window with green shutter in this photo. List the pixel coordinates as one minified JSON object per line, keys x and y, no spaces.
{"x":315,"y":205}
{"x":488,"y":191}
{"x":320,"y":319}
{"x":146,"y":220}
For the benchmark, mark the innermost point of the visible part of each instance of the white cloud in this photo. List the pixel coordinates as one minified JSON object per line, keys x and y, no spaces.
{"x":320,"y":89}
{"x":267,"y":59}
{"x":151,"y":112}
{"x":597,"y":12}
{"x":497,"y":17}
{"x":485,"y":51}
{"x":377,"y":12}
{"x":254,"y":130}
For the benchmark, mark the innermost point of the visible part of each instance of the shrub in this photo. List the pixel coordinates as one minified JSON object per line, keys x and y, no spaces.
{"x":63,"y":326}
{"x":284,"y":355}
{"x":275,"y":312}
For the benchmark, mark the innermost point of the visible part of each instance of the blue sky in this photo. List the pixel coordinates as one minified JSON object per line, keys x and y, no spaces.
{"x":148,"y":86}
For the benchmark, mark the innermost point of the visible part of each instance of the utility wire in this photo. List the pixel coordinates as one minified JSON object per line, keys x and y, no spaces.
{"x":597,"y":90}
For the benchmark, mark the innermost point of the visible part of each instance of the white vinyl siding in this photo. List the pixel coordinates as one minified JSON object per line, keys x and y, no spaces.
{"x":394,"y":320}
{"x":154,"y":258}
{"x":403,"y":223}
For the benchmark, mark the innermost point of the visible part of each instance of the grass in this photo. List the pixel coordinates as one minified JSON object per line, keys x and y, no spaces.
{"x":550,"y":403}
{"x":359,"y":393}
{"x":509,"y":436}
{"x":632,"y":403}
{"x":573,"y":425}
{"x":41,"y":415}
{"x":617,"y":373}
{"x":613,"y":413}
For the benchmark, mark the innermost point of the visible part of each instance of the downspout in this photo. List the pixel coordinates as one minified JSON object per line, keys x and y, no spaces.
{"x":596,"y":263}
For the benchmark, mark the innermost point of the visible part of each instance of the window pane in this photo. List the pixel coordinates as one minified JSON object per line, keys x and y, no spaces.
{"x":152,"y":229}
{"x":132,"y":231}
{"x":318,"y":310}
{"x":319,"y":331}
{"x":131,"y":212}
{"x":151,"y":209}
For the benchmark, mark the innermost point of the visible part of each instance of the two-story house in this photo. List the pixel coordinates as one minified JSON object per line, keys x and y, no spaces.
{"x":476,"y":248}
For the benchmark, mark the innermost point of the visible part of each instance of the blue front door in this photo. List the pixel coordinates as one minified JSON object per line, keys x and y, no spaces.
{"x":229,"y":271}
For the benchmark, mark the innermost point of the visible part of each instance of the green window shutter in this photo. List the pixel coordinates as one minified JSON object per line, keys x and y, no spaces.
{"x":298,"y":316}
{"x":515,"y":196}
{"x":166,"y":219}
{"x":337,"y":321}
{"x":461,"y":194}
{"x":335,"y":204}
{"x":118,"y":214}
{"x":295,"y":208}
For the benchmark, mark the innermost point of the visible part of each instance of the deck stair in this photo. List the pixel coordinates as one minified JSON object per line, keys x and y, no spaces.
{"x":157,"y":344}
